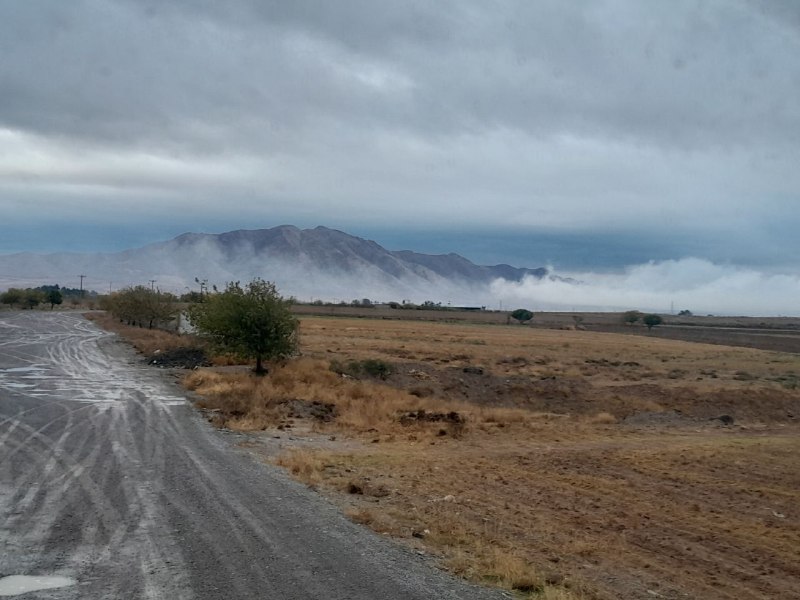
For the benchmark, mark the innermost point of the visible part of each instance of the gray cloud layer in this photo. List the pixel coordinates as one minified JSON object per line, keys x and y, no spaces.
{"x":681,"y":117}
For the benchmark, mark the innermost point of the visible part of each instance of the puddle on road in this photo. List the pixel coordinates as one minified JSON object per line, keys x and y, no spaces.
{"x":13,"y":585}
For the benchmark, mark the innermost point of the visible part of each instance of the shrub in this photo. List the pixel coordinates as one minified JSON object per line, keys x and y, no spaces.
{"x":522,"y":315}
{"x":370,"y":367}
{"x":652,"y":320}
{"x":630,"y":317}
{"x":12,"y":296}
{"x":141,"y":306}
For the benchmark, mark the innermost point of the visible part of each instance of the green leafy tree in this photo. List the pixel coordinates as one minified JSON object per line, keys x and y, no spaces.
{"x":12,"y":296}
{"x":522,"y":315}
{"x":33,"y":298}
{"x":253,"y":321}
{"x":652,"y":320}
{"x":54,"y":296}
{"x":630,"y":317}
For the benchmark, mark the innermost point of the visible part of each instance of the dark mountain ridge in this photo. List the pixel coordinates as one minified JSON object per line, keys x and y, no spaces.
{"x":334,"y":249}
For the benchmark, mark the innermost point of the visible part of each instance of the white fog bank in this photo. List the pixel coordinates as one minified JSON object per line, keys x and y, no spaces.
{"x":691,"y":284}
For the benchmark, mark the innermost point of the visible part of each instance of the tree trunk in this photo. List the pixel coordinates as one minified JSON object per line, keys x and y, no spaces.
{"x":260,"y":370}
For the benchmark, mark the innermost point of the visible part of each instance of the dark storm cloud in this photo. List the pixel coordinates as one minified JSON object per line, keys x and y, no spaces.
{"x":212,"y":74}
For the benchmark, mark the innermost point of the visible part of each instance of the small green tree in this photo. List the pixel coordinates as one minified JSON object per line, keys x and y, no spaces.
{"x":522,"y":315}
{"x":12,"y":296}
{"x":630,"y":317}
{"x":652,"y":320}
{"x":251,"y":322}
{"x":32,"y":298}
{"x":54,"y":297}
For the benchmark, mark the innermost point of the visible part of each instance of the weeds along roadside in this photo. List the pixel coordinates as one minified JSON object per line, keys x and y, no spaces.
{"x":146,"y":341}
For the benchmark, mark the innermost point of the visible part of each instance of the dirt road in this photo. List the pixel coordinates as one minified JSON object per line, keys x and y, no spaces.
{"x":109,"y":478}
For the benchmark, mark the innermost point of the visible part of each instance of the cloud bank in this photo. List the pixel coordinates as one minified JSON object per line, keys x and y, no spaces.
{"x":677,"y":118}
{"x":688,"y":284}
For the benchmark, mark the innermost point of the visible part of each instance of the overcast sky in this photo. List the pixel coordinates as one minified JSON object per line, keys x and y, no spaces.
{"x":585,"y":135}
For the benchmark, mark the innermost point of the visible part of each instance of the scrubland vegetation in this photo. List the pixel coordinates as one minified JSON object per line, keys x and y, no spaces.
{"x":559,"y":464}
{"x":51,"y":295}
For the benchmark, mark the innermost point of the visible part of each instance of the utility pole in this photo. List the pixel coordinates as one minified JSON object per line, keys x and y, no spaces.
{"x":203,"y":283}
{"x":82,"y":278}
{"x":153,"y":284}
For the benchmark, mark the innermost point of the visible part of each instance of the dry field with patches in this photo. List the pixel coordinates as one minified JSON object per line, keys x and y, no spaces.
{"x":560,"y":464}
{"x":781,"y":334}
{"x":588,"y":465}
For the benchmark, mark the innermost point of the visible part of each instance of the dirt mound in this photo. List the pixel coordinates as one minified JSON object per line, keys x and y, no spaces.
{"x":180,"y":358}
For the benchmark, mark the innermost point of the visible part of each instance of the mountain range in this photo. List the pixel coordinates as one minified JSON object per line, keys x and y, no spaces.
{"x":319,"y":263}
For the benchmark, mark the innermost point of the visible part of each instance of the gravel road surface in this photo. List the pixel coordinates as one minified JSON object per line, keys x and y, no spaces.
{"x":109,"y":478}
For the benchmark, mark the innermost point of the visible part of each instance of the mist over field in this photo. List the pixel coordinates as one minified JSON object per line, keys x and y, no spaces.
{"x":332,"y":266}
{"x":691,"y":284}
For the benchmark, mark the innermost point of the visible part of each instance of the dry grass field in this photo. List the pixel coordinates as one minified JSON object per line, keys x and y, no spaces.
{"x":559,"y":464}
{"x":781,"y":334}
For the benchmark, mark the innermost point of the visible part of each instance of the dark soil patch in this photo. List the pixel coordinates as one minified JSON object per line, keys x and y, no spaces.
{"x":180,"y":358}
{"x":549,"y":394}
{"x":578,"y":396}
{"x":310,"y":409}
{"x":669,"y":418}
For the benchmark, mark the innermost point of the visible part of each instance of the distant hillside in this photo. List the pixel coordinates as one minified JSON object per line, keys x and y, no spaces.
{"x":308,"y":263}
{"x":331,"y":249}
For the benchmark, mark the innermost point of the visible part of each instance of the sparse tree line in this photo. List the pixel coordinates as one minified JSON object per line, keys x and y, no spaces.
{"x":632,"y":317}
{"x":402,"y":305}
{"x":52,"y":295}
{"x":367,"y":303}
{"x":142,"y":306}
{"x":30,"y":298}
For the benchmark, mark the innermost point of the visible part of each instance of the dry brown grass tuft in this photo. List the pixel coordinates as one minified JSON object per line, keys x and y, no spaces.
{"x":248,"y":402}
{"x":362,"y":516}
{"x":603,"y":418}
{"x":304,"y":464}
